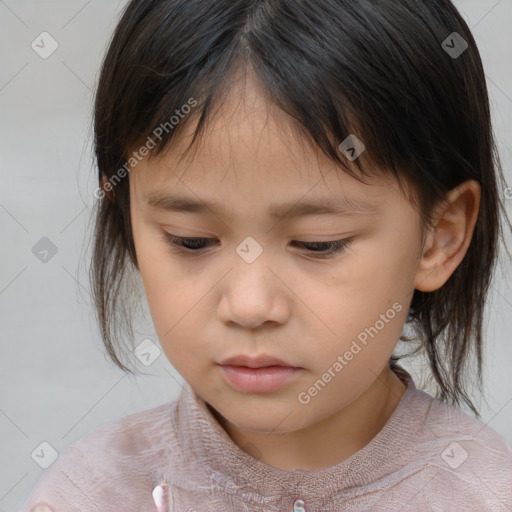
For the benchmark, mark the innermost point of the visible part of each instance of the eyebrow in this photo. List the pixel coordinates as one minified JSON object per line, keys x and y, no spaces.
{"x":298,"y":208}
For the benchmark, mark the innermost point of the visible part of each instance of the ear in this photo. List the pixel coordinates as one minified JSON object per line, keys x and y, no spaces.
{"x":448,"y":240}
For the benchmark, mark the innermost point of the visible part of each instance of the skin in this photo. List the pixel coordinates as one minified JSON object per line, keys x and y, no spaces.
{"x":290,"y":302}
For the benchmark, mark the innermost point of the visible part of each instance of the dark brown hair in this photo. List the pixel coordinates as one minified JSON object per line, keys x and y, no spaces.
{"x":375,"y":68}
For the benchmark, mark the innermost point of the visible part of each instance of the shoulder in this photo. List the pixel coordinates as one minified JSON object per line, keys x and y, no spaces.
{"x":468,"y":462}
{"x":115,"y":465}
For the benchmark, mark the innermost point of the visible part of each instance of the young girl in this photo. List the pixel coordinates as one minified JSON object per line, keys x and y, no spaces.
{"x":343,"y":185}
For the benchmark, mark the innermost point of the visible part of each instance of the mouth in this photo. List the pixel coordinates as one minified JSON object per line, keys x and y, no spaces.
{"x":261,"y":361}
{"x":267,"y":379}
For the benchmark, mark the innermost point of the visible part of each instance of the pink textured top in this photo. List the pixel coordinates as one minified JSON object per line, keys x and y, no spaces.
{"x":428,"y":457}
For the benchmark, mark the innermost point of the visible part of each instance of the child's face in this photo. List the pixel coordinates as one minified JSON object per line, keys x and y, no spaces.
{"x":289,"y":303}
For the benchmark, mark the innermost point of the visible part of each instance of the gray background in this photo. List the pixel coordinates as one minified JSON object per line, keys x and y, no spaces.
{"x":57,"y":384}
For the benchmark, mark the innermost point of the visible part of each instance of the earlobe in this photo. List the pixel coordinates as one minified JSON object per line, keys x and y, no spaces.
{"x":448,"y":240}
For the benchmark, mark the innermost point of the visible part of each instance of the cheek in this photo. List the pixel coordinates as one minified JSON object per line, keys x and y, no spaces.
{"x":383,"y":272}
{"x":159,"y":277}
{"x":366,"y":303}
{"x":173,"y":296}
{"x":366,"y":285}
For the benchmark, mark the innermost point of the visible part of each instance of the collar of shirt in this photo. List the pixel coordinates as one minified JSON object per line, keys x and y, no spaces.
{"x":228,"y":468}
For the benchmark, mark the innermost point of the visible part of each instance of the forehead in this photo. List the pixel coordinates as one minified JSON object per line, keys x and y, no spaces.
{"x":251,"y":151}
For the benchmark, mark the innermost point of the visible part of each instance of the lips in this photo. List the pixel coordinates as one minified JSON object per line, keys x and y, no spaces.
{"x":258,"y":374}
{"x":261,"y":361}
{"x":259,"y":380}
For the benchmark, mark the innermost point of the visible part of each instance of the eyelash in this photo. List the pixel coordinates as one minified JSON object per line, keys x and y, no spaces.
{"x":176,"y":243}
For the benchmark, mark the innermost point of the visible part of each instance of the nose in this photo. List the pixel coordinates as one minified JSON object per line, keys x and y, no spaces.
{"x":253,"y":294}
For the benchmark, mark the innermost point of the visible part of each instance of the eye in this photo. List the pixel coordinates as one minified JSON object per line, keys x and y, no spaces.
{"x":333,"y":247}
{"x":196,"y":245}
{"x":183,"y":243}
